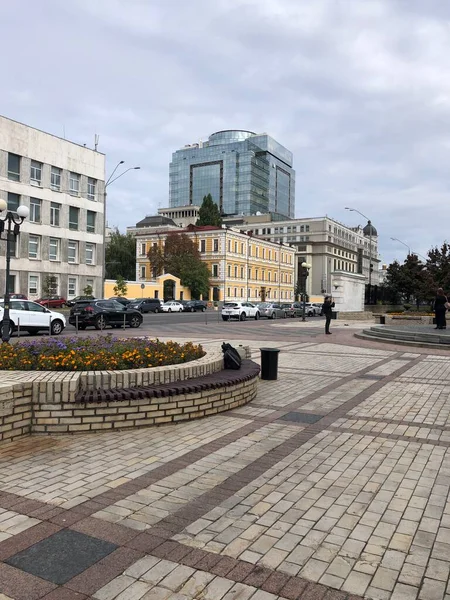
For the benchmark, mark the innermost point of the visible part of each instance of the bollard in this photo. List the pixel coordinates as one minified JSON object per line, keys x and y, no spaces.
{"x":76,"y":323}
{"x":50,"y":325}
{"x":124,"y":320}
{"x":269,"y":363}
{"x":18,"y":327}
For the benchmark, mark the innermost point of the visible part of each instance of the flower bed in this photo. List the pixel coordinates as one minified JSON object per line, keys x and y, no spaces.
{"x":102,"y":353}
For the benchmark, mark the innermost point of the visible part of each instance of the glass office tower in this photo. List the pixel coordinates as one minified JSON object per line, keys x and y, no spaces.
{"x":244,"y":172}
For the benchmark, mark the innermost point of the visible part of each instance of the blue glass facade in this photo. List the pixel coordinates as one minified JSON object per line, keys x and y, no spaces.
{"x":244,"y":172}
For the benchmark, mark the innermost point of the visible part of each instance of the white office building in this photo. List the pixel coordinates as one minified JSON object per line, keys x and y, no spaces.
{"x":63,"y":185}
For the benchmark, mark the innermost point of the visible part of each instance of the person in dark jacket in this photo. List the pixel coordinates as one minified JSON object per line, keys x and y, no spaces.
{"x":327,"y":310}
{"x":439,"y":309}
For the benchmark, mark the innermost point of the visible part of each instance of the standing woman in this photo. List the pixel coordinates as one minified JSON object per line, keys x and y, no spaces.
{"x":439,"y":309}
{"x":327,"y":310}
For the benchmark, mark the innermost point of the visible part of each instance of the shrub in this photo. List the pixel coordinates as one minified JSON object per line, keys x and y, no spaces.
{"x":95,"y":354}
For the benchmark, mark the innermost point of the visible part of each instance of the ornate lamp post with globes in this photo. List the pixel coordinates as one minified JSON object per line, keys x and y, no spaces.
{"x":10,"y":223}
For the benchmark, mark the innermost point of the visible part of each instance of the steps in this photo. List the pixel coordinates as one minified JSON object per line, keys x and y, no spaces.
{"x":413,"y":337}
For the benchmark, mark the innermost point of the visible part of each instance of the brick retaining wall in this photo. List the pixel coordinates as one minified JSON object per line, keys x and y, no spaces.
{"x":46,"y":402}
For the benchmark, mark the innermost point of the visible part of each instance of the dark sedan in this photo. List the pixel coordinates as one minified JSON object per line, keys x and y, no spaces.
{"x":103,"y":313}
{"x":146,"y":305}
{"x":194,"y":305}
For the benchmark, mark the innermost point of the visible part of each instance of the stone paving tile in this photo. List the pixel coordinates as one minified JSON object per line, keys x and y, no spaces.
{"x":397,"y":428}
{"x":12,"y":523}
{"x":149,"y":505}
{"x":335,"y":398}
{"x":421,"y":403}
{"x":292,"y":387}
{"x":71,"y":470}
{"x":430,"y":368}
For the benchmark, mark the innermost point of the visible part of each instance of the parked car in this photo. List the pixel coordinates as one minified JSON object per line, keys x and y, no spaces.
{"x":145,"y":305}
{"x":16,"y":297}
{"x":73,"y":301}
{"x":123,"y":301}
{"x":32,"y":317}
{"x":172,"y":306}
{"x":271,"y":310}
{"x":52,"y":301}
{"x":103,"y":313}
{"x":312,"y":310}
{"x":194,"y":305}
{"x":292,"y":309}
{"x":240,"y":310}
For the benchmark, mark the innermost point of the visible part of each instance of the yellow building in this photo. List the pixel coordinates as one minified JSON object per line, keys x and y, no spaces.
{"x":242,"y":267}
{"x":165,"y":286}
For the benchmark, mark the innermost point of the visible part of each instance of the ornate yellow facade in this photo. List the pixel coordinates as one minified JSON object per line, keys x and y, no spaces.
{"x":242,"y":267}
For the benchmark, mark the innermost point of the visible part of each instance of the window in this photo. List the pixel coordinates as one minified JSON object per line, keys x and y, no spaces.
{"x":90,"y":254}
{"x":92,"y":184}
{"x":33,"y":284}
{"x":53,"y":249}
{"x":74,"y":183}
{"x":156,"y":294}
{"x":72,"y":254}
{"x":235,"y":248}
{"x":215,"y":270}
{"x":35,"y":172}
{"x":33,"y":246}
{"x":14,"y":246}
{"x":35,"y":210}
{"x":235,"y":272}
{"x":55,"y":210}
{"x":55,"y":179}
{"x":74,"y":214}
{"x":13,"y":167}
{"x":242,"y":272}
{"x":202,"y":245}
{"x":216,"y":245}
{"x":72,"y":287}
{"x":13,"y":201}
{"x":143,"y":272}
{"x":142,"y":249}
{"x":229,"y":270}
{"x":90,"y":226}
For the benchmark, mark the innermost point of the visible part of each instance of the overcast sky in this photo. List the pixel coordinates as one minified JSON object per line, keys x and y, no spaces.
{"x":358,"y":90}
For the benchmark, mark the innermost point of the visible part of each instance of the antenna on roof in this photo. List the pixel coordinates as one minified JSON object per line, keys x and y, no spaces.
{"x":96,"y":139}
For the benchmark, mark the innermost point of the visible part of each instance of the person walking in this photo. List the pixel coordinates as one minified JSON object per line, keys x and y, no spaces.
{"x":440,"y":309}
{"x":327,"y":310}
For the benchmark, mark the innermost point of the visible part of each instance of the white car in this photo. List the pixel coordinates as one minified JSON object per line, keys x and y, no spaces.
{"x":32,"y":317}
{"x":172,"y":306}
{"x":240,"y":310}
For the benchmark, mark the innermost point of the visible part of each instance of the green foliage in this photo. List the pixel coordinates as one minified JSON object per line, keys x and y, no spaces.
{"x":156,"y":258}
{"x":49,"y":285}
{"x":120,"y":256}
{"x":88,"y":291}
{"x":181,"y":258}
{"x":101,"y":353}
{"x":121,"y":288}
{"x":209,"y":213}
{"x":438,"y":266}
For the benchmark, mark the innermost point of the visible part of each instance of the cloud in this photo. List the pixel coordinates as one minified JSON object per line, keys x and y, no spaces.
{"x":359,"y":91}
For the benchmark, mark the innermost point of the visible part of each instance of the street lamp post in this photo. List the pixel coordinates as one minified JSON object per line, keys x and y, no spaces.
{"x":406,"y":245}
{"x":305,"y":273}
{"x":12,"y":221}
{"x":369,"y":224}
{"x":111,"y":179}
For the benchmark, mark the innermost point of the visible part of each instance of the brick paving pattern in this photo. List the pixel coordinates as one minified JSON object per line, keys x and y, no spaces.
{"x":333,"y":484}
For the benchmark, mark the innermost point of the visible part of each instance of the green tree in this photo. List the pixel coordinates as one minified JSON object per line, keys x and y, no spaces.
{"x":88,"y":291}
{"x":121,"y":288}
{"x":438,"y":266}
{"x":120,"y":256}
{"x":182,"y":259}
{"x":209,"y":213}
{"x":49,"y":285}
{"x":156,"y":257}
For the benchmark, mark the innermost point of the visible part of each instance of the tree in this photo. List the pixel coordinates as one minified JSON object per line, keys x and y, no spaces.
{"x":120,"y":256}
{"x":49,"y":285}
{"x":438,"y":266}
{"x":88,"y":291}
{"x":156,"y":257}
{"x":209,"y":213}
{"x":121,"y":288}
{"x":181,"y":258}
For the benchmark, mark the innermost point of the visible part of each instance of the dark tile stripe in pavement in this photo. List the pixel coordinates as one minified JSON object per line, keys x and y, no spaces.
{"x":391,"y":436}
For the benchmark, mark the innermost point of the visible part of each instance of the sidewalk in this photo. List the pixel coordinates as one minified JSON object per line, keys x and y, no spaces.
{"x":333,"y":484}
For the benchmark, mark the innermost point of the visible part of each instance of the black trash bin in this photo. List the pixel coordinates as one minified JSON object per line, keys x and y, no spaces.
{"x":269,"y":363}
